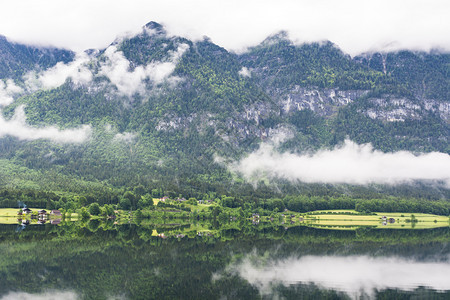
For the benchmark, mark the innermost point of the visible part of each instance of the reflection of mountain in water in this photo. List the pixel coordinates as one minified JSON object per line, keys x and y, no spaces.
{"x":130,"y":261}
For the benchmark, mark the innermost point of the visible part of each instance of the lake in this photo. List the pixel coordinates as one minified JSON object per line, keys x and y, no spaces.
{"x":103,"y":260}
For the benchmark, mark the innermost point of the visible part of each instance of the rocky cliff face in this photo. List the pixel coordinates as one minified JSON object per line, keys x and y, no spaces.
{"x":324,"y":102}
{"x":161,"y":107}
{"x":393,"y":109}
{"x":172,"y":86}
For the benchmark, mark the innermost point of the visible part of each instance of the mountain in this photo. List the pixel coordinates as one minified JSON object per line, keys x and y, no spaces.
{"x":16,"y":59}
{"x":163,"y":111}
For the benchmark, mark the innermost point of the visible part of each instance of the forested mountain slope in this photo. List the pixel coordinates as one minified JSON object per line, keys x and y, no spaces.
{"x":16,"y":59}
{"x":162,"y":109}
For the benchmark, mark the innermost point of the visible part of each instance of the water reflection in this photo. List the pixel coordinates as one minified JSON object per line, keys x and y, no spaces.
{"x":99,"y":259}
{"x":356,"y":275}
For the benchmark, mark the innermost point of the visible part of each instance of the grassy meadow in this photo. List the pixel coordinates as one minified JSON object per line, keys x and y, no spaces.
{"x":348,"y":219}
{"x":10,"y":216}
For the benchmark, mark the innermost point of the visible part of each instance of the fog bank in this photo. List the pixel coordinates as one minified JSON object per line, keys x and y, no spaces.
{"x":50,"y":295}
{"x":8,"y":90}
{"x":17,"y":127}
{"x":356,"y":26}
{"x":128,"y":82}
{"x":350,"y":163}
{"x":54,"y":77}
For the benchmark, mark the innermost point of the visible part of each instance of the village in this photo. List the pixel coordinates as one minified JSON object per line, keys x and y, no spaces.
{"x":187,"y":211}
{"x":42,"y":216}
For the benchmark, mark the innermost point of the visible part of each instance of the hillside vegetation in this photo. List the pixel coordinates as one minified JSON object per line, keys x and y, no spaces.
{"x":163,"y":134}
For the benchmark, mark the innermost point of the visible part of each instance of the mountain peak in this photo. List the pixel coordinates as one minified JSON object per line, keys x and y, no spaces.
{"x":155,"y":27}
{"x":276,"y":38}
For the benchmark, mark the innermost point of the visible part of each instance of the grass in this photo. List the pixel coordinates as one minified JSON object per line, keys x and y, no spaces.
{"x":200,"y":207}
{"x":9,"y":212}
{"x":8,"y":220}
{"x":328,"y":211}
{"x":9,"y":215}
{"x":327,"y":219}
{"x":156,"y":201}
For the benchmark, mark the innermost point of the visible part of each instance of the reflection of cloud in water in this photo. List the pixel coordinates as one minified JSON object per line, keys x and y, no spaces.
{"x":49,"y":295}
{"x":354,"y":275}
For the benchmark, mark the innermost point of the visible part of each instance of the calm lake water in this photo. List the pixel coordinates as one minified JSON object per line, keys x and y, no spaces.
{"x":95,"y":260}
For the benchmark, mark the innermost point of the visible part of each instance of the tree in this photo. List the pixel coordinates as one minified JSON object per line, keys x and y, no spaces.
{"x":82,"y":201}
{"x":132,"y":198}
{"x":84,"y":213}
{"x":145,"y":201}
{"x":125,"y":204}
{"x":192,"y":201}
{"x":138,"y":214}
{"x":156,"y":193}
{"x":139,"y":190}
{"x":216,"y":210}
{"x":108,"y":209}
{"x":94,"y":209}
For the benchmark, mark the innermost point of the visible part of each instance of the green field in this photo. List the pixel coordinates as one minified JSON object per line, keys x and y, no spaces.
{"x":10,"y":216}
{"x":328,"y":219}
{"x":198,"y":207}
{"x":10,"y":212}
{"x":156,"y":201}
{"x":331,"y":219}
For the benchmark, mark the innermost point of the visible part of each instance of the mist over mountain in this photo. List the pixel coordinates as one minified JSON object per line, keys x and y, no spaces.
{"x":16,"y":59}
{"x":164,"y":112}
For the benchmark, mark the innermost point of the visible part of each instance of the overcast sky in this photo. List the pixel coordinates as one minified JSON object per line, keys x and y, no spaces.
{"x":355,"y":25}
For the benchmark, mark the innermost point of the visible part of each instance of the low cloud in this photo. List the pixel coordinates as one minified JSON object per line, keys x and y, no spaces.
{"x":8,"y":90}
{"x":116,"y":68}
{"x":356,"y":26}
{"x":54,"y":77}
{"x":350,"y":163}
{"x":356,"y":275}
{"x":130,"y":82}
{"x":127,"y":137}
{"x":245,"y":72}
{"x":17,"y":127}
{"x":50,"y":295}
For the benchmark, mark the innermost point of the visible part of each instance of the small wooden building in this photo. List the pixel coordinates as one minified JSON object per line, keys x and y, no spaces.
{"x":26,"y":210}
{"x":55,"y":213}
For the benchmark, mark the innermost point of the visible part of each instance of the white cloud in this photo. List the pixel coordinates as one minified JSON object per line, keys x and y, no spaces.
{"x":8,"y":90}
{"x":350,"y":163}
{"x":117,"y":69}
{"x":18,"y":128}
{"x":356,"y":26}
{"x":50,"y":295}
{"x":54,"y":77}
{"x":355,"y":275}
{"x":127,"y":137}
{"x":245,"y":72}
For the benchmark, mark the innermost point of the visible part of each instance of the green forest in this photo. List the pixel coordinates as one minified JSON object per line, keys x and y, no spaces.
{"x":176,"y":132}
